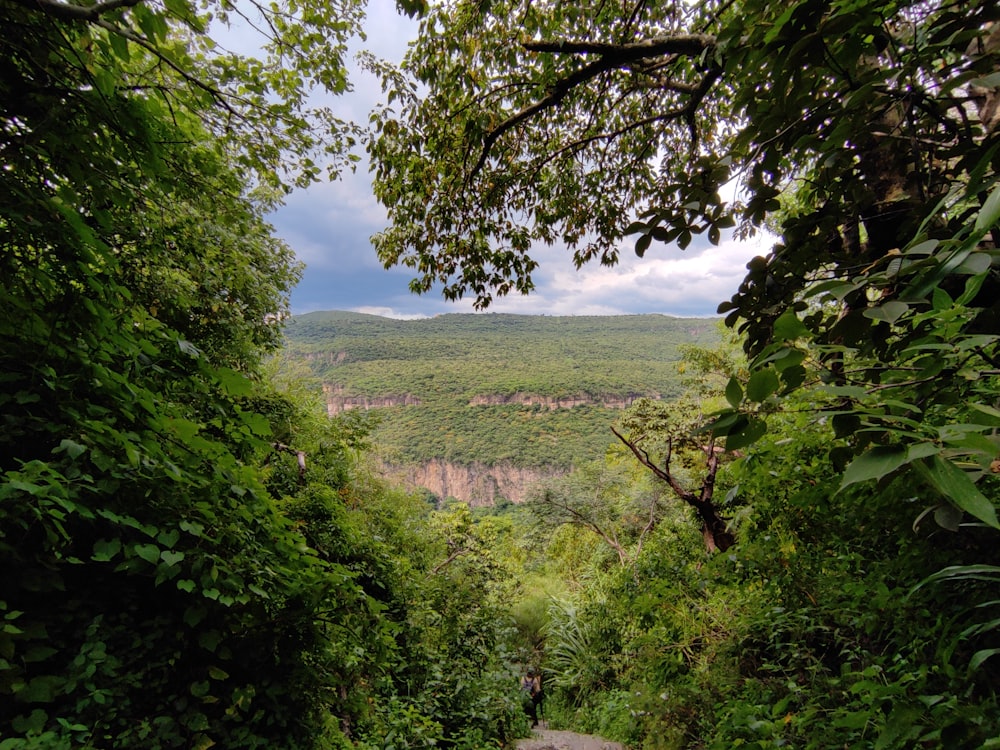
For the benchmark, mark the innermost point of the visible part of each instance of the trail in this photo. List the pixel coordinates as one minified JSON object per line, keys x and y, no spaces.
{"x":555,"y":739}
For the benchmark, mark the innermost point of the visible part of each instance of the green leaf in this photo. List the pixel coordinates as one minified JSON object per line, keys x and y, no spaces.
{"x":762,"y":384}
{"x":119,"y":45}
{"x":188,"y":348}
{"x":734,"y":393}
{"x":990,"y":212}
{"x":991,"y":413}
{"x":956,"y":486}
{"x":923,"y":248}
{"x":888,"y":312}
{"x":106,"y":549}
{"x":168,"y":538}
{"x":42,"y":689}
{"x":179,"y":8}
{"x":852,"y":720}
{"x":980,"y":656}
{"x":234,"y":383}
{"x":39,"y":653}
{"x":200,"y":689}
{"x":33,"y":723}
{"x":148,"y":552}
{"x":209,"y":639}
{"x":71,"y":448}
{"x":788,"y":327}
{"x":754,"y":429}
{"x":170,"y":557}
{"x":947,"y":516}
{"x":990,"y":81}
{"x":876,"y":463}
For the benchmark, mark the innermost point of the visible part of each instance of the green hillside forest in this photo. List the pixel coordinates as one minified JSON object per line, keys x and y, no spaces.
{"x":782,"y":534}
{"x":533,"y":391}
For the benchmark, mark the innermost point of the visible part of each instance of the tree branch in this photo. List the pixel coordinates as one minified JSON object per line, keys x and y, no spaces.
{"x":688,"y":45}
{"x":714,"y":531}
{"x":299,"y":455}
{"x":611,"y":57}
{"x":664,"y":474}
{"x":450,"y":559}
{"x":67,"y":12}
{"x":581,"y":520}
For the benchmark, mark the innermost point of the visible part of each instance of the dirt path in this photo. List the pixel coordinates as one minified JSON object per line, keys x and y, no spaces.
{"x":555,"y":739}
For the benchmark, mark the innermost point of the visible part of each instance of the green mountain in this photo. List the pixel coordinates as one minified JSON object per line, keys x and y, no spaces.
{"x":492,"y":399}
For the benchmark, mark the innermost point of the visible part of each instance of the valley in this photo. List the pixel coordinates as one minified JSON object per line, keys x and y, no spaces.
{"x":479,"y":407}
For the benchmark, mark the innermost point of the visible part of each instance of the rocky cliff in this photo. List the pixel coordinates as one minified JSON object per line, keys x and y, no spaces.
{"x":559,"y":402}
{"x":476,"y":484}
{"x":337,"y":401}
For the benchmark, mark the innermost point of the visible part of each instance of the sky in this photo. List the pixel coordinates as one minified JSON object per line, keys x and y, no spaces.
{"x":329,"y":225}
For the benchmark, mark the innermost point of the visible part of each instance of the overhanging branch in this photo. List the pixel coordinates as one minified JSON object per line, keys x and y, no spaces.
{"x":68,"y":12}
{"x":610,"y":57}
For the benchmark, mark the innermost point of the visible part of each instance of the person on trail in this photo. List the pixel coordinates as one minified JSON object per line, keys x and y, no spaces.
{"x":531,"y":685}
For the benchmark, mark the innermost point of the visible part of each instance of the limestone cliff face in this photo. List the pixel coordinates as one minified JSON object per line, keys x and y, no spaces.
{"x":476,"y":484}
{"x":563,"y":402}
{"x":329,"y":358}
{"x":337,"y":401}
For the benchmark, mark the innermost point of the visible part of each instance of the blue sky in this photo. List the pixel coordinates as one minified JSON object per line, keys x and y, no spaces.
{"x":329,"y":226}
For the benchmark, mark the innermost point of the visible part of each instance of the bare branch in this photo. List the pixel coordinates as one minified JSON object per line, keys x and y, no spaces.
{"x":299,"y":455}
{"x":450,"y":559}
{"x":582,"y":520}
{"x":664,"y":474}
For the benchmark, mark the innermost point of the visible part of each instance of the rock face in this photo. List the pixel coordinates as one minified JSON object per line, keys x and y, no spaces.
{"x":564,"y":402}
{"x":476,"y":484}
{"x":337,"y":401}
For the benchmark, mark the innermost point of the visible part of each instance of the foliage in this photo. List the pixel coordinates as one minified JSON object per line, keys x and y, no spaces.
{"x":865,"y":137}
{"x":604,"y":498}
{"x":155,"y":596}
{"x":162,"y":59}
{"x":827,"y":626}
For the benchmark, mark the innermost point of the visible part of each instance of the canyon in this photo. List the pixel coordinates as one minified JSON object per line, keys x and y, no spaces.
{"x":481,"y":407}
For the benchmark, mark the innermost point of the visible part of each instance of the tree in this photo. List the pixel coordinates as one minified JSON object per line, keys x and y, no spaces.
{"x":155,"y":594}
{"x":604,"y":498}
{"x":668,"y":440}
{"x":863,"y":134}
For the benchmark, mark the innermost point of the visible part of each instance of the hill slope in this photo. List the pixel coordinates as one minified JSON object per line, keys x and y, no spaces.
{"x":475,"y":406}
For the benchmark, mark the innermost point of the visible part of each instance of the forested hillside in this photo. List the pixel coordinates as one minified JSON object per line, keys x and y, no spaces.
{"x":477,"y":391}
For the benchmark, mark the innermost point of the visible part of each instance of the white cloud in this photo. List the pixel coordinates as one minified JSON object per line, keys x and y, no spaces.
{"x":388,"y":312}
{"x":667,"y":280}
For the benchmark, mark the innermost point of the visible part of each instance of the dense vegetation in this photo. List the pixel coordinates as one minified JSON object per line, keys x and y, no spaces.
{"x":835,"y":621}
{"x":446,"y":362}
